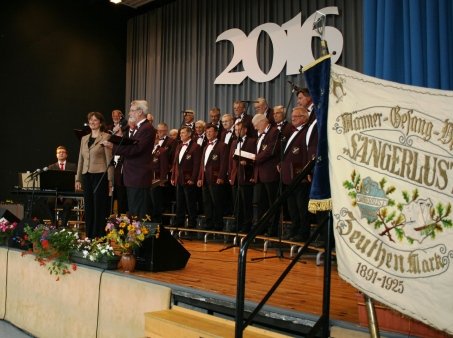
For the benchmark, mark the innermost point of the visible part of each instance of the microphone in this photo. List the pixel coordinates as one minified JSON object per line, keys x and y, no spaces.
{"x":295,"y":88}
{"x":122,"y":125}
{"x":249,"y":101}
{"x":37,"y":172}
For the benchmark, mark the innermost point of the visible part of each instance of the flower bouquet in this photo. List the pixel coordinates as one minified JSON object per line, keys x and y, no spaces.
{"x":125,"y":233}
{"x":6,"y":230}
{"x":97,"y":252}
{"x":52,"y":247}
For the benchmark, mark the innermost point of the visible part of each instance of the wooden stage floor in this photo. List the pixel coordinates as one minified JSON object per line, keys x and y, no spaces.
{"x":215,"y":271}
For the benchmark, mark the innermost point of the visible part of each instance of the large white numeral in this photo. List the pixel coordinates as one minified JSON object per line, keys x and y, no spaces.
{"x":239,"y":41}
{"x":277,"y":37}
{"x":291,"y":44}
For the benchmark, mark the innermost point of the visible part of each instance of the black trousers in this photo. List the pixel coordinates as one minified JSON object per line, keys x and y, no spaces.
{"x":120,"y":194}
{"x":185,"y":199}
{"x":298,"y":210}
{"x":158,"y":203}
{"x":243,"y":207}
{"x":96,"y":203}
{"x":138,"y":202}
{"x":213,"y":205}
{"x":264,"y":195}
{"x":66,"y":204}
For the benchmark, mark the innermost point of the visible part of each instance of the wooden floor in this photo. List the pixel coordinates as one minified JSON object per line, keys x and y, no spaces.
{"x":210,"y":269}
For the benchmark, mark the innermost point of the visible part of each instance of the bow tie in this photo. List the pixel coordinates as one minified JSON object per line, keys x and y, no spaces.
{"x":185,"y":144}
{"x":211,"y":142}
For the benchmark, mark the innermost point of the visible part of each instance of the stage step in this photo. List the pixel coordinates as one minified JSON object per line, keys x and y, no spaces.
{"x":182,"y":322}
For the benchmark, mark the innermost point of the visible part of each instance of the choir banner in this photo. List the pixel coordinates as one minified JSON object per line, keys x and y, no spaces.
{"x":391,"y":176}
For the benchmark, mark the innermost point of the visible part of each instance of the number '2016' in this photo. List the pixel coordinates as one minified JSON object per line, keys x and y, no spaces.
{"x":292,"y":44}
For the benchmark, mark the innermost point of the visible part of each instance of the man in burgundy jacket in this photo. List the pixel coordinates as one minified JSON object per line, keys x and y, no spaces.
{"x":169,"y":144}
{"x":137,"y":170}
{"x":161,"y":169}
{"x":240,"y":114}
{"x":228,"y":136}
{"x":285,"y":128}
{"x":241,"y":178}
{"x":295,"y":158}
{"x":184,"y":177}
{"x":266,"y":176}
{"x":211,"y":178}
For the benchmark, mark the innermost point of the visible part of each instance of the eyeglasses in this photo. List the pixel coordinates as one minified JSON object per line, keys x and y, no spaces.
{"x":137,"y":109}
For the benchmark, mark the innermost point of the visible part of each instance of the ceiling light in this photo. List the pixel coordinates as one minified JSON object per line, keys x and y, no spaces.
{"x":115,"y":1}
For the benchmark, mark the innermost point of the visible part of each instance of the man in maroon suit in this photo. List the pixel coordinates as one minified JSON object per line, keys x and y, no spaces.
{"x":214,"y":117}
{"x":285,"y":128}
{"x":184,"y":176}
{"x":161,"y":168}
{"x":241,"y":178}
{"x":200,"y":136}
{"x":137,"y":171}
{"x":169,"y":144}
{"x":266,"y":176}
{"x":189,"y":119}
{"x":295,"y":157}
{"x":211,"y":178}
{"x":262,"y":107}
{"x":228,"y":136}
{"x":240,"y":114}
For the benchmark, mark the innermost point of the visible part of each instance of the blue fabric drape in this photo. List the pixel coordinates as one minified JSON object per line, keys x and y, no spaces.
{"x":409,"y":41}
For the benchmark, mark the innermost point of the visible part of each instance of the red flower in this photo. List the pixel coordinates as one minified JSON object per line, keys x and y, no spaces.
{"x":45,"y":244}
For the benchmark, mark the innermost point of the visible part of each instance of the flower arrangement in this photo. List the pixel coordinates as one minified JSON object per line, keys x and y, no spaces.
{"x":127,"y":234}
{"x":6,"y":229}
{"x":95,"y":250}
{"x":52,"y":247}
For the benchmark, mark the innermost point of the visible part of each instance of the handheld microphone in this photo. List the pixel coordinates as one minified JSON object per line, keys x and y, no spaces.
{"x":249,"y":101}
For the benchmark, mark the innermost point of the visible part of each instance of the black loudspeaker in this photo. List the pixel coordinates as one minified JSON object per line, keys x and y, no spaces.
{"x":161,"y":254}
{"x":8,"y":215}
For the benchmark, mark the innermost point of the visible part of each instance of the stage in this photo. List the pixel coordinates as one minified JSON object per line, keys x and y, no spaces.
{"x":209,"y":282}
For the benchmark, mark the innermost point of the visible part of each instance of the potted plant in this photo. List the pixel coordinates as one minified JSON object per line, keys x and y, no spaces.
{"x":97,"y":252}
{"x":126,"y":234}
{"x":6,"y":230}
{"x":52,"y":247}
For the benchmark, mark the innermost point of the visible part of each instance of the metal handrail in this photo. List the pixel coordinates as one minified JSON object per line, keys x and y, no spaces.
{"x":242,"y":260}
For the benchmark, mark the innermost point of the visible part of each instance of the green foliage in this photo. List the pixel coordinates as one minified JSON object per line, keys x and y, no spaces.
{"x":52,"y":247}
